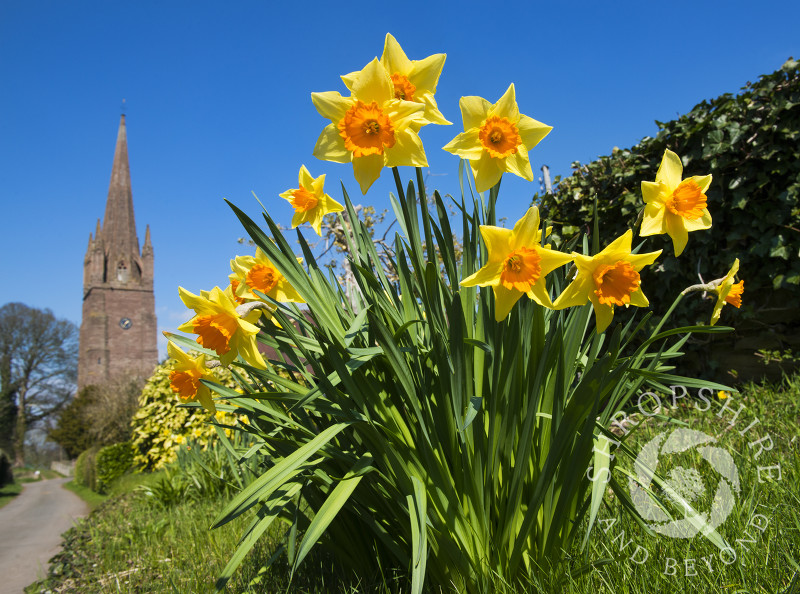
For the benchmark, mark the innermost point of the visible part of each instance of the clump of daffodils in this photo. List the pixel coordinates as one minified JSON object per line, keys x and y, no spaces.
{"x":366,"y":399}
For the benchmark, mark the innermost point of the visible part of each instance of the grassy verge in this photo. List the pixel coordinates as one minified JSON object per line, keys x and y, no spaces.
{"x":92,"y":499}
{"x":8,"y":493}
{"x":131,"y":543}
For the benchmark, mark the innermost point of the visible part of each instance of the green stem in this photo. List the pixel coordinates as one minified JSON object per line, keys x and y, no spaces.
{"x":399,"y":183}
{"x":666,"y":315}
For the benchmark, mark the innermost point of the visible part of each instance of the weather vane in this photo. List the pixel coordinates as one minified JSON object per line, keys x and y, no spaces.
{"x":123,"y":107}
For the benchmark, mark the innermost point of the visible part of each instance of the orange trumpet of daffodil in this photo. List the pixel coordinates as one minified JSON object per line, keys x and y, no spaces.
{"x":413,"y":80}
{"x":257,"y":273}
{"x":496,"y":139}
{"x":608,"y":279}
{"x":310,"y":201}
{"x":370,"y":129}
{"x":673,"y":206}
{"x":184,"y":379}
{"x":517,"y":264}
{"x":220,"y":328}
{"x":728,"y":292}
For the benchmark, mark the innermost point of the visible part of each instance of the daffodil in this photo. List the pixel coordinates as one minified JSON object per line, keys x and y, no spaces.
{"x":517,"y":264}
{"x":310,"y":201}
{"x":673,"y":206}
{"x":370,"y":129}
{"x":257,"y":273}
{"x":184,"y":379}
{"x":608,"y":279}
{"x":220,"y":328}
{"x":496,"y":139}
{"x":413,"y":80}
{"x":728,"y":292}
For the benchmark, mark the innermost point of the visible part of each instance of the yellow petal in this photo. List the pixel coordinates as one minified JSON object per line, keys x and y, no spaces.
{"x":497,"y":241}
{"x":466,"y":145}
{"x":350,"y":79}
{"x":373,"y":84}
{"x":394,"y":59}
{"x":426,"y":72}
{"x":366,"y":170}
{"x":621,"y":245}
{"x":531,"y":131}
{"x":504,"y":300}
{"x":654,"y":193}
{"x":403,"y":113}
{"x":486,"y":276}
{"x":670,"y":170}
{"x":639,"y":261}
{"x":704,"y":181}
{"x":677,"y":231}
{"x":305,"y":179}
{"x":603,"y":314}
{"x":330,"y":146}
{"x":519,"y":164}
{"x":576,"y":293}
{"x":506,"y":106}
{"x":432,"y":113}
{"x":525,"y":231}
{"x":653,"y":220}
{"x":407,"y":150}
{"x":638,"y":299}
{"x":331,"y":104}
{"x":487,"y":172}
{"x":704,"y":222}
{"x":540,"y":295}
{"x":551,"y":259}
{"x":474,"y":111}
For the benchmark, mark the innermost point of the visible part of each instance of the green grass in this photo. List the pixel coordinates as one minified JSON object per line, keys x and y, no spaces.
{"x":129,"y":543}
{"x":8,"y":493}
{"x":92,"y":499}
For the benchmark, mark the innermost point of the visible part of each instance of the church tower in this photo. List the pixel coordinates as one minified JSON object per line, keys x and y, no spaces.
{"x":118,"y":329}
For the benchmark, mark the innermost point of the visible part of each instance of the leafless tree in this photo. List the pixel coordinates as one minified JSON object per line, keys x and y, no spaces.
{"x":38,"y":369}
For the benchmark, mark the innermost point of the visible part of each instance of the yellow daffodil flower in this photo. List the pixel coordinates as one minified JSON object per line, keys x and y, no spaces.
{"x":184,"y":379}
{"x":496,"y":139}
{"x":413,"y":80}
{"x":259,"y":274}
{"x":220,"y":328}
{"x":608,"y":279}
{"x":518,"y":264}
{"x":673,"y":206}
{"x":310,"y":202}
{"x":370,"y":129}
{"x":728,"y":292}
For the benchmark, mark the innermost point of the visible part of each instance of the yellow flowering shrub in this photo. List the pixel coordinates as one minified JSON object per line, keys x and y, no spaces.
{"x":159,"y":427}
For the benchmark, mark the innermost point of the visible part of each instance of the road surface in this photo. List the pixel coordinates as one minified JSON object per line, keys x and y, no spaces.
{"x":30,"y":531}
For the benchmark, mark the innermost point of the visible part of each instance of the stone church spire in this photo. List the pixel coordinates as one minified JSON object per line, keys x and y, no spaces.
{"x":118,"y":328}
{"x":119,"y":225}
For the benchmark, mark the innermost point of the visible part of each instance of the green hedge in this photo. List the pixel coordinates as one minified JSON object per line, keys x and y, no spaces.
{"x":111,"y":463}
{"x":86,"y":469}
{"x":750,"y":142}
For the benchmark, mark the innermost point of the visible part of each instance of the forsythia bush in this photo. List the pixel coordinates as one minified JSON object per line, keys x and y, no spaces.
{"x":159,"y":427}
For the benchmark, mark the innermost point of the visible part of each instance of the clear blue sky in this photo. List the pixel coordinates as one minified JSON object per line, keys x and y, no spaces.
{"x":218,"y":105}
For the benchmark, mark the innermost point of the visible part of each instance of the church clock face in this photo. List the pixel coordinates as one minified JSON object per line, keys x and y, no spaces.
{"x":125,"y":323}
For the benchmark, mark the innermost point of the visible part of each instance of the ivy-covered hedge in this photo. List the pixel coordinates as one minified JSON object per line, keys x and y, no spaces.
{"x":750,"y":142}
{"x":160,"y":426}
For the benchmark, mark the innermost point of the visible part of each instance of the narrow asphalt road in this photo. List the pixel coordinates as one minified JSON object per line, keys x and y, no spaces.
{"x":30,"y":531}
